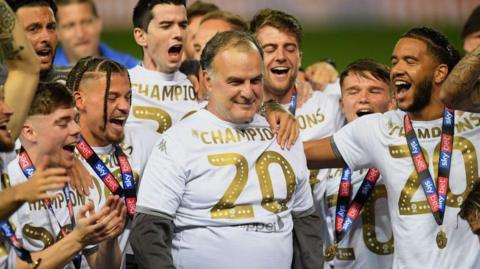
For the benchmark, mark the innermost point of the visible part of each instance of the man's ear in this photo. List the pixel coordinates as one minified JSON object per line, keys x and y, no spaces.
{"x":206,"y":80}
{"x":27,"y":133}
{"x":79,"y":97}
{"x":140,"y":36}
{"x":440,"y":73}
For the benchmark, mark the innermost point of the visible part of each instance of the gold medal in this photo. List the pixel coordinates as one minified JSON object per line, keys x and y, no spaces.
{"x":330,"y":252}
{"x":441,"y":239}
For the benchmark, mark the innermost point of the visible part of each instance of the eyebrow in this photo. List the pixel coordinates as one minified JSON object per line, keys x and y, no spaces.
{"x":64,"y":118}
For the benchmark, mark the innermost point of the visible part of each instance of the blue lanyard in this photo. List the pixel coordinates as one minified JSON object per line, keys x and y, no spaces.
{"x":436,"y":199}
{"x":346,"y":213}
{"x":102,"y":171}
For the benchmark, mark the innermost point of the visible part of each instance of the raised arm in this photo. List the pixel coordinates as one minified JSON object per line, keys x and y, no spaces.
{"x":461,"y":89}
{"x":23,"y":68}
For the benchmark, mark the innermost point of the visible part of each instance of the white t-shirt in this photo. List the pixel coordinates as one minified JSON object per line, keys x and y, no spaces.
{"x":159,"y":100}
{"x":369,"y":244}
{"x":201,"y":166}
{"x":35,"y":226}
{"x":378,"y":141}
{"x":137,"y":145}
{"x":319,"y":117}
{"x":7,"y":255}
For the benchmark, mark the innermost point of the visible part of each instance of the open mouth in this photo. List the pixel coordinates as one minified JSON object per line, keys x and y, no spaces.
{"x":363,"y":112}
{"x":43,"y":52}
{"x":119,"y":122}
{"x":175,"y":49}
{"x":402,"y":86}
{"x":69,"y":148}
{"x":3,"y":126}
{"x":280,"y":70}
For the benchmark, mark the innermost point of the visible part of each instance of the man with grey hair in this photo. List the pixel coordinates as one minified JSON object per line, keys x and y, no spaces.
{"x":219,"y":177}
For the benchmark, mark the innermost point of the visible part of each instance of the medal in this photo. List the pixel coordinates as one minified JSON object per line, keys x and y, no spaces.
{"x":441,"y":239}
{"x":330,"y":252}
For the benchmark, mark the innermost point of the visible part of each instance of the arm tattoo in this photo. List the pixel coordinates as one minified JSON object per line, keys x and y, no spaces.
{"x":462,"y":83}
{"x":8,"y":49}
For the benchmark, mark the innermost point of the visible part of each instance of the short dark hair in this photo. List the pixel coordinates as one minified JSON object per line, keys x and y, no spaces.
{"x":16,"y":4}
{"x":277,"y":19}
{"x":142,"y":13}
{"x":61,"y":3}
{"x":365,"y":67}
{"x":224,"y":40}
{"x":471,"y":204}
{"x":49,"y":97}
{"x":437,"y":44}
{"x":200,"y":8}
{"x":237,"y":22}
{"x":472,"y":24}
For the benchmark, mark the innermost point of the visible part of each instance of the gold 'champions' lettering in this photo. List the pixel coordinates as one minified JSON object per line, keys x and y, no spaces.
{"x":464,"y":124}
{"x":59,"y":202}
{"x":167,"y":92}
{"x":310,"y":120}
{"x":229,"y":136}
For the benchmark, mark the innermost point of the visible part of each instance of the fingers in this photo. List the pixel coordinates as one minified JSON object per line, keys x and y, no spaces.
{"x":295,"y":132}
{"x":283,"y":121}
{"x":272,"y":121}
{"x":82,"y":180}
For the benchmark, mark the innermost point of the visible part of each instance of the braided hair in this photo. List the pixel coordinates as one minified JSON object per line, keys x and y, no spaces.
{"x":93,"y":64}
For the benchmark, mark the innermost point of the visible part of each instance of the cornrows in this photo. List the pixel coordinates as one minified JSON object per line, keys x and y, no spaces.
{"x":93,"y":64}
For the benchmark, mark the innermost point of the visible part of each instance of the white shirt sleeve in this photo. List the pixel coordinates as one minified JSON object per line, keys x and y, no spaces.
{"x":357,"y":141}
{"x":164,"y":178}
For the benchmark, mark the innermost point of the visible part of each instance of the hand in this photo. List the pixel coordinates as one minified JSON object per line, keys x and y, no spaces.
{"x":304,"y":92}
{"x":283,"y":124}
{"x":320,"y":74}
{"x":81,"y":180}
{"x":41,"y":183}
{"x":103,"y":225}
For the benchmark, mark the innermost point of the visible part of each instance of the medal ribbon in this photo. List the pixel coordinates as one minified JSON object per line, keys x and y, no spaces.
{"x":128,"y":190}
{"x":292,"y":107}
{"x":436,"y":199}
{"x":22,"y":253}
{"x":28,"y":170}
{"x":346,"y":213}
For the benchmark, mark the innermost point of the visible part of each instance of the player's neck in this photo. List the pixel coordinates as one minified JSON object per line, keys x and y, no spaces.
{"x":40,"y":158}
{"x":280,"y":97}
{"x":432,"y":111}
{"x":149,"y":64}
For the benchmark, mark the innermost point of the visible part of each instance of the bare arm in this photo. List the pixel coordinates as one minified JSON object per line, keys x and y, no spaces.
{"x":34,"y":189}
{"x":23,"y":68}
{"x":461,"y":89}
{"x":91,"y":229}
{"x":321,"y":154}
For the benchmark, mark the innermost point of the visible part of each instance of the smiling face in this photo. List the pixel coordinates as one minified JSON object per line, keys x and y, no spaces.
{"x":281,"y":58}
{"x":364,"y":94}
{"x":412,"y":73}
{"x":163,"y":41}
{"x":55,"y":135}
{"x":78,"y":30}
{"x":90,"y":102}
{"x":235,"y":84}
{"x":40,"y":28}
